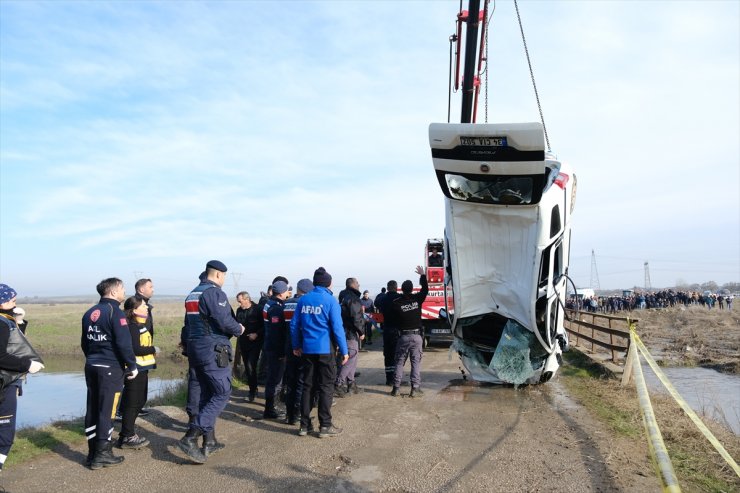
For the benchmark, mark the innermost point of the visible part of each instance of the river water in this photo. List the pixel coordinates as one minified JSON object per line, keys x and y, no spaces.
{"x":61,"y":393}
{"x":708,"y":392}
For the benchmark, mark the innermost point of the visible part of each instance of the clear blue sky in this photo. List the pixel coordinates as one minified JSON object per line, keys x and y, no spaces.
{"x":145,"y":138}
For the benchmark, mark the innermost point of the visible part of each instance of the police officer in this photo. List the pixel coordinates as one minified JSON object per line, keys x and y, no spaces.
{"x":209,"y":325}
{"x":354,"y":331}
{"x":315,"y":329}
{"x":407,"y":311}
{"x":277,"y":333}
{"x":193,"y":399}
{"x":106,"y":342}
{"x":390,"y":330}
{"x":17,"y":358}
{"x":293,"y":364}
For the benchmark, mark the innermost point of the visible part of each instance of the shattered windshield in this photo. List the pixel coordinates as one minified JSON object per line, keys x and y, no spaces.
{"x":508,"y":190}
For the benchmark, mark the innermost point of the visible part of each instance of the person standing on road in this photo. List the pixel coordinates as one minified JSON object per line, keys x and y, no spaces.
{"x":368,"y":308}
{"x":277,"y":334}
{"x":193,"y":399}
{"x":109,"y":354}
{"x":293,"y":364}
{"x":354,"y":331}
{"x":407,"y":311}
{"x":135,"y":390}
{"x":209,"y":324}
{"x":316,"y":329}
{"x":390,"y":330}
{"x":17,"y":357}
{"x":250,"y":342}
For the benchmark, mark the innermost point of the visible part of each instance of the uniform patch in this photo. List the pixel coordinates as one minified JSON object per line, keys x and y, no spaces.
{"x":123,"y":321}
{"x":95,"y":315}
{"x":275,"y":319}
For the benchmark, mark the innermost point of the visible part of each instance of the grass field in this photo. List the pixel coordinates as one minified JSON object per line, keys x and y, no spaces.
{"x":55,"y":329}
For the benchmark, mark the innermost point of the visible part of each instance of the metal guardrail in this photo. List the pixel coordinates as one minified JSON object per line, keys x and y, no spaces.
{"x":598,"y":332}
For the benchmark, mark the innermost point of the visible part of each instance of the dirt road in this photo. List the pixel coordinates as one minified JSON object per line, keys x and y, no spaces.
{"x":458,"y":437}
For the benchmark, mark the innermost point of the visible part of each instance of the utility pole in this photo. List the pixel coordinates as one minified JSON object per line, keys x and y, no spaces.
{"x":235,"y":277}
{"x":648,"y":286}
{"x":594,"y":273}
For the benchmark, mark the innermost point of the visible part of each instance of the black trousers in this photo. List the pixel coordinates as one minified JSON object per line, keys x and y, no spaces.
{"x":250,"y":353}
{"x":293,"y":385}
{"x":319,"y":372}
{"x":8,"y":408}
{"x":104,"y":387}
{"x":390,"y":339}
{"x":133,"y":400}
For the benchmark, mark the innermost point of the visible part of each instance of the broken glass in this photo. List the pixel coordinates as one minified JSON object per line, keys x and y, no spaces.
{"x":511,"y":359}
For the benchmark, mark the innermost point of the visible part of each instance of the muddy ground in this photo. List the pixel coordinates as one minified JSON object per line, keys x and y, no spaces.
{"x":459,"y":436}
{"x":694,"y":336}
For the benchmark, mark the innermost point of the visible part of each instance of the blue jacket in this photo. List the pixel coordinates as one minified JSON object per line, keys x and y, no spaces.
{"x":106,"y":339}
{"x":317,"y":323}
{"x":207,"y":303}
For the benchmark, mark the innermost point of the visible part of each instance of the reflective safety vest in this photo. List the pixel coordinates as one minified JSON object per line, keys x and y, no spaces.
{"x":147,"y":361}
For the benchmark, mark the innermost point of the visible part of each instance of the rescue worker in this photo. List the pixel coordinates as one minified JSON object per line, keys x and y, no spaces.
{"x":250,"y":342}
{"x":17,"y":357}
{"x":315,"y":330}
{"x":390,"y":330}
{"x":354,"y":331}
{"x":407,"y":311}
{"x":277,"y":333}
{"x":144,"y":291}
{"x":293,"y":366}
{"x":135,"y":390}
{"x":209,"y":325}
{"x":109,"y":355}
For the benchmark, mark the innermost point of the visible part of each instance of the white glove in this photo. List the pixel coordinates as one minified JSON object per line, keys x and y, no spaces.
{"x":35,"y":367}
{"x":157,"y":350}
{"x":132,"y":375}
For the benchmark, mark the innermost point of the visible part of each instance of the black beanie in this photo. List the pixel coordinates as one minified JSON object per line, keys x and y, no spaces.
{"x":321,"y":278}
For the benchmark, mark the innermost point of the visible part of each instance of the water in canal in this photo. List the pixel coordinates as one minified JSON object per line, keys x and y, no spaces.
{"x":708,"y":392}
{"x":61,"y":393}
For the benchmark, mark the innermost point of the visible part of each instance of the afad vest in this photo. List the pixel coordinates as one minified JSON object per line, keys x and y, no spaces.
{"x":147,"y":361}
{"x":198,"y":326}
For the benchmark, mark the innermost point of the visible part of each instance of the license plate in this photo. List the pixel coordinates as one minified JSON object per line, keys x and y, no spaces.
{"x":483,"y":141}
{"x":440,"y":331}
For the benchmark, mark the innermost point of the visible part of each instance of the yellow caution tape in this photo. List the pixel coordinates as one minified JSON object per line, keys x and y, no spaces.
{"x":655,"y":440}
{"x":681,"y":402}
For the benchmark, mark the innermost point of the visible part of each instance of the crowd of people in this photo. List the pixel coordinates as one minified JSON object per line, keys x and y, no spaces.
{"x":309,"y":344}
{"x":640,"y":301}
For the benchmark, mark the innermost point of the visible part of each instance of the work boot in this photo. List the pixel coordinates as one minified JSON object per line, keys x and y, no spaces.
{"x":104,"y":456}
{"x":133,"y":442}
{"x":251,"y":396}
{"x":394,"y":392}
{"x":416,"y":392}
{"x":353,"y":388}
{"x":340,"y":392}
{"x":189,"y":445}
{"x":90,"y":452}
{"x":210,"y":444}
{"x":329,"y":431}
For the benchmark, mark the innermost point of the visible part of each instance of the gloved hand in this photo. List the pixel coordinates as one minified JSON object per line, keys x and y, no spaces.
{"x":35,"y":367}
{"x":132,"y":375}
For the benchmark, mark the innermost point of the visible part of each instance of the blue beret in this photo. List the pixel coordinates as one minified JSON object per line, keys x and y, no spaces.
{"x":279,"y":287}
{"x":216,"y":264}
{"x":6,"y":293}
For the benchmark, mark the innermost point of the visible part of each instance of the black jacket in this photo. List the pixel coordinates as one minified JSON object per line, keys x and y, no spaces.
{"x":251,"y":319}
{"x":354,"y":325}
{"x":407,"y":307}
